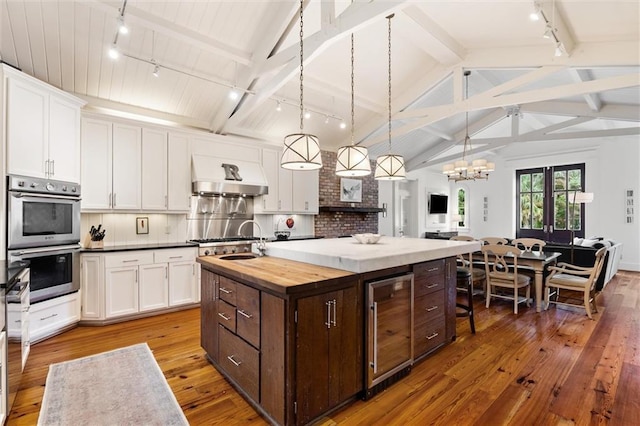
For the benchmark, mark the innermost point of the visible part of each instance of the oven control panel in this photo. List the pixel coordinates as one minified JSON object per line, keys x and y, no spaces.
{"x":224,"y":249}
{"x":43,"y":186}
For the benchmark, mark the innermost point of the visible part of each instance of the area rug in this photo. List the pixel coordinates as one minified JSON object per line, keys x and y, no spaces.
{"x":120,"y":387}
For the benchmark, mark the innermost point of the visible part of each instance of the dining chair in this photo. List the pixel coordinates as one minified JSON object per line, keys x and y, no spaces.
{"x":501,"y":268}
{"x":576,"y":279}
{"x":529,"y":244}
{"x":494,"y":240}
{"x":478,"y":275}
{"x":464,"y":282}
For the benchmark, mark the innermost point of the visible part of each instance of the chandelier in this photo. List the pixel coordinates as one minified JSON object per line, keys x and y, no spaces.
{"x":461,"y":169}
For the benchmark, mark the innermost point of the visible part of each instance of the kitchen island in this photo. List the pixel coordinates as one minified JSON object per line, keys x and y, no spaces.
{"x":291,"y":335}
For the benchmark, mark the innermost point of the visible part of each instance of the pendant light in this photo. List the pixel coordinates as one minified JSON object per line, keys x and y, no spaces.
{"x":390,"y":166}
{"x":353,"y":160}
{"x":301,"y":150}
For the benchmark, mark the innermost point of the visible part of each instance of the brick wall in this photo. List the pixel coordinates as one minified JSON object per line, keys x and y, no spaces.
{"x":336,"y":224}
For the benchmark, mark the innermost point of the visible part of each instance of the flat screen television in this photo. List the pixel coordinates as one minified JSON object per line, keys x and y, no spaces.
{"x":438,"y":203}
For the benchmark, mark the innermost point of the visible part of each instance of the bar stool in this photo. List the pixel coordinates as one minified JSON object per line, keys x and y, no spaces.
{"x":464,"y":281}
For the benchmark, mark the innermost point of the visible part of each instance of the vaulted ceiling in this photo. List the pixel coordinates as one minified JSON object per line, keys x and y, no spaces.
{"x":518,"y":90}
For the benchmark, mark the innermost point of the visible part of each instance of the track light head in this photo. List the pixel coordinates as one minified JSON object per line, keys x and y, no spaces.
{"x":122,"y":28}
{"x":113,"y":52}
{"x":156,"y":71}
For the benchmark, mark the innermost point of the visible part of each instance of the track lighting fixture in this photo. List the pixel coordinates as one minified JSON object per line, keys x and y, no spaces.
{"x":307,"y":115}
{"x":233,"y":94}
{"x":278,"y":107}
{"x":343,"y":125}
{"x":122,"y":27}
{"x":113,"y":51}
{"x":156,"y":71}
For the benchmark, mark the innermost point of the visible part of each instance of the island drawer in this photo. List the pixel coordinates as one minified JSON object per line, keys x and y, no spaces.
{"x":240,"y":361}
{"x":428,"y":284}
{"x":227,"y":315}
{"x":428,"y":307}
{"x":227,"y":290}
{"x":426,"y":269}
{"x":428,"y":336}
{"x":248,"y":314}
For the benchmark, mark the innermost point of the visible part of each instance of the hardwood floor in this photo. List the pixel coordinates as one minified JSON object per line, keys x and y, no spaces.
{"x":557,"y":367}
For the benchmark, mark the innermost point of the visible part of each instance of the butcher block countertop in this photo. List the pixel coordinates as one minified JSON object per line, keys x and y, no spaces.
{"x":279,"y":275}
{"x":350,"y":255}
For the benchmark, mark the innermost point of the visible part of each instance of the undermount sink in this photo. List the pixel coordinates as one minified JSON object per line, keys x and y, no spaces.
{"x":245,"y":256}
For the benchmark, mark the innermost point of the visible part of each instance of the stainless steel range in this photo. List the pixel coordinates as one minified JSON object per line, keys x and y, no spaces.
{"x":218,"y":246}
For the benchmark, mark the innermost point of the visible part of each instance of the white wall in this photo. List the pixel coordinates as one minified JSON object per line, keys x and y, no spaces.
{"x":121,"y":228}
{"x":611,"y":167}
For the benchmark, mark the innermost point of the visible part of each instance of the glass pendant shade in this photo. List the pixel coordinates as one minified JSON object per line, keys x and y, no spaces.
{"x":390,"y":167}
{"x":301,"y":152}
{"x":353,"y":161}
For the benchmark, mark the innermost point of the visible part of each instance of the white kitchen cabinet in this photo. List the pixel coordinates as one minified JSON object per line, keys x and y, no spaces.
{"x":50,"y":316}
{"x":305,"y":191}
{"x":154,"y":169}
{"x":126,"y":167}
{"x":179,"y":173}
{"x":18,"y":323}
{"x":121,"y":288}
{"x":121,"y":284}
{"x":289,"y":191}
{"x":92,"y":286}
{"x":96,"y":164}
{"x":111,"y":165}
{"x":43,"y":129}
{"x":153,"y":287}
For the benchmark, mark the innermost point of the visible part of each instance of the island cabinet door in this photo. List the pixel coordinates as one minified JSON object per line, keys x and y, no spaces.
{"x":329,"y":345}
{"x":209,"y":313}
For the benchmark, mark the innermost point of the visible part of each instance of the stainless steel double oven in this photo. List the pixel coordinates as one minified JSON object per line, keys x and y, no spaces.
{"x":43,"y":227}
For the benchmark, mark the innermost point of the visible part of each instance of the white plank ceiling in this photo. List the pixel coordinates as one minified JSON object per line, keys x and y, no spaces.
{"x":519,"y":91}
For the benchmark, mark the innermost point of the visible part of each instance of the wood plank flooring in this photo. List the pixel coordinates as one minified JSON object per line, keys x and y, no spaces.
{"x":553,"y":368}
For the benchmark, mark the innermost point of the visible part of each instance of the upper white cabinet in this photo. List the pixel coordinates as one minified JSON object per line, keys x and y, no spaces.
{"x":111,"y":165}
{"x":43,"y":130}
{"x":129,"y":167}
{"x":154,"y":169}
{"x":289,"y":191}
{"x":179,"y":173}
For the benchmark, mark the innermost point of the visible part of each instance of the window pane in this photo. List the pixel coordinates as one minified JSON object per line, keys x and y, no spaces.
{"x":575,"y":222}
{"x":538,"y":211}
{"x":560,"y":211}
{"x":538,"y":182}
{"x":559,"y":180}
{"x":525,"y":211}
{"x":525,"y":183}
{"x":575,"y":180}
{"x":461,"y":204}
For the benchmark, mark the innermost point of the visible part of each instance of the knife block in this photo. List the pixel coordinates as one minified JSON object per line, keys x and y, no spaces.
{"x":90,"y":244}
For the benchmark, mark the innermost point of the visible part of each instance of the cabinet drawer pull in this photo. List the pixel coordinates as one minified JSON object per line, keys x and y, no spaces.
{"x":175,"y":257}
{"x":244,"y":314}
{"x":223,"y":316}
{"x":130,"y":260}
{"x":433,"y":269}
{"x":50,"y":316}
{"x":432,"y":285}
{"x":224,"y":290}
{"x":433,"y":308}
{"x":432,"y":336}
{"x":236,"y":363}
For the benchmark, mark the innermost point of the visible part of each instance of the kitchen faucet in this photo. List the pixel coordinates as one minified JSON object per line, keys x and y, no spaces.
{"x":261,"y":244}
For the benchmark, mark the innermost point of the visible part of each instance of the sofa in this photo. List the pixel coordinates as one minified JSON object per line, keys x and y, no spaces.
{"x":584,"y":252}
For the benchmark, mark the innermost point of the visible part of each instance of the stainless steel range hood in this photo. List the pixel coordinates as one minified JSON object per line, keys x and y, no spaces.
{"x":214,"y":175}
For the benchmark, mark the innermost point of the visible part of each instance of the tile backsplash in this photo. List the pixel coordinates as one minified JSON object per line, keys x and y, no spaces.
{"x":121,"y":228}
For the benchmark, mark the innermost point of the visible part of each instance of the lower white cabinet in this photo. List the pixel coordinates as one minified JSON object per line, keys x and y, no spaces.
{"x":50,"y":316}
{"x":125,"y":283}
{"x":18,"y":323}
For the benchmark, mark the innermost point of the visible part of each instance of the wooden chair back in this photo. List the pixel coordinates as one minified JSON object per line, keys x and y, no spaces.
{"x":493,"y":240}
{"x":501,"y":266}
{"x":529,"y":244}
{"x":466,"y":261}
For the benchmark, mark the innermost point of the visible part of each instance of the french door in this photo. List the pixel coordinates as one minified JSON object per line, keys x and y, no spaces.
{"x":544,"y":203}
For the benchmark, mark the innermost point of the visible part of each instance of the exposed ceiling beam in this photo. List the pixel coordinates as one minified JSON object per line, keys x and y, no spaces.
{"x":354,"y":16}
{"x":592,"y":99}
{"x":141,"y":18}
{"x":534,"y":137}
{"x":443,"y":48}
{"x":607,"y":112}
{"x":482,"y":101}
{"x":558,"y":126}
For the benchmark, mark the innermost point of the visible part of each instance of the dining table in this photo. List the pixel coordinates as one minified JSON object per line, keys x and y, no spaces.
{"x":535,"y":260}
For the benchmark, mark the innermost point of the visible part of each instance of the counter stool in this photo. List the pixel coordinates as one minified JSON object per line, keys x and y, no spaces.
{"x":464,"y":281}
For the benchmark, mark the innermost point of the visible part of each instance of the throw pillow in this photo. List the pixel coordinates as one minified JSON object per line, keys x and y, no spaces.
{"x":588,"y":243}
{"x":578,"y":241}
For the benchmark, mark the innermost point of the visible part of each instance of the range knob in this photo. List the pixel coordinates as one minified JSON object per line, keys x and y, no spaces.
{"x":207,"y":252}
{"x":74,"y":189}
{"x":64,"y":188}
{"x":224,"y":251}
{"x":20,"y":183}
{"x":33,"y":184}
{"x":233,"y":250}
{"x":50,"y":186}
{"x":246,"y":249}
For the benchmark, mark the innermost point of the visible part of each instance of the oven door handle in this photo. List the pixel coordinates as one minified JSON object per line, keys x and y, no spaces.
{"x":48,"y":196}
{"x":35,"y":252}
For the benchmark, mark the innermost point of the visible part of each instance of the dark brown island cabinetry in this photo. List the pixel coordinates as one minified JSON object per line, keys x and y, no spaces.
{"x":290,"y":336}
{"x":294,"y":352}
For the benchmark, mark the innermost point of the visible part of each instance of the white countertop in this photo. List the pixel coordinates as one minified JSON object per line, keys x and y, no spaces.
{"x":349,"y":255}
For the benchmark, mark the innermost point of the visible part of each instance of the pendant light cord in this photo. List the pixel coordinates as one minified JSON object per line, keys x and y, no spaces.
{"x":467,"y":139}
{"x":301,"y":67}
{"x":389,"y":19}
